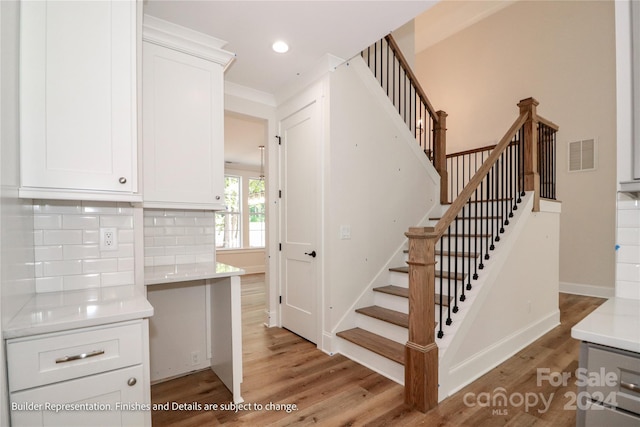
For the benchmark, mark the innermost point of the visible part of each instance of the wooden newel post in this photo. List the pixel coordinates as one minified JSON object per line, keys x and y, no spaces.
{"x":440,"y":154}
{"x":531,"y":174}
{"x":421,"y":352}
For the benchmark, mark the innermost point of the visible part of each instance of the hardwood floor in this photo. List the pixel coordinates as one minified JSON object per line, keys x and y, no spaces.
{"x":296,"y":384}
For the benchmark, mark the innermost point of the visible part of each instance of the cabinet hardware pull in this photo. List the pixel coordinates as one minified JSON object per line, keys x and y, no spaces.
{"x":217,"y":197}
{"x":132,"y":381}
{"x":79,"y":356}
{"x":122,"y":180}
{"x":630,"y":386}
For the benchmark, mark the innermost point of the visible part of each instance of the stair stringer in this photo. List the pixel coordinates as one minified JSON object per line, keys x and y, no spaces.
{"x":458,"y":365}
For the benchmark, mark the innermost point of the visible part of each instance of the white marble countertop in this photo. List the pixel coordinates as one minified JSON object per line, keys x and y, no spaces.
{"x":616,"y":323}
{"x":185,"y":272}
{"x":59,"y":311}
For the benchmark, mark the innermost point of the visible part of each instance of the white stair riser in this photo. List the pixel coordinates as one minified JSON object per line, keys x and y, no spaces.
{"x":388,"y":368}
{"x":402,"y":279}
{"x":388,"y":330}
{"x":391,"y":302}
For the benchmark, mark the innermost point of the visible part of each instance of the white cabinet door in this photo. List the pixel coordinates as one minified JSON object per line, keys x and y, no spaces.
{"x":97,"y":400}
{"x":183,"y":136}
{"x":78,"y":100}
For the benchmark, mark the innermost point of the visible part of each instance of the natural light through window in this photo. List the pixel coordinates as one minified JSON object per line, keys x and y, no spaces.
{"x":242,"y":224}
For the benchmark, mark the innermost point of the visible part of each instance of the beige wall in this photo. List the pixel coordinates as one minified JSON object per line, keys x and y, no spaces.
{"x":563,"y":54}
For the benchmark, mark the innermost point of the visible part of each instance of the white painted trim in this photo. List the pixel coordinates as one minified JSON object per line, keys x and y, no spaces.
{"x":587,"y":290}
{"x":271,"y":318}
{"x":550,"y":206}
{"x":173,"y":36}
{"x":473,"y":368}
{"x":249,"y":94}
{"x":71,"y":194}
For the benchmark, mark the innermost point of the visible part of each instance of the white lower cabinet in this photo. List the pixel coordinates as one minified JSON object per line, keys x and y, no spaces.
{"x":97,"y":400}
{"x":94,"y":376}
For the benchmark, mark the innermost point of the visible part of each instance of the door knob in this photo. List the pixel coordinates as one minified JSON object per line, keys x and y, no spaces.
{"x":312,"y":254}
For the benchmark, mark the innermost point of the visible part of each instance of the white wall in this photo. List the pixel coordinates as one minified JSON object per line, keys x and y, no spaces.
{"x":17,"y":282}
{"x":563,"y":54}
{"x":377,"y":181}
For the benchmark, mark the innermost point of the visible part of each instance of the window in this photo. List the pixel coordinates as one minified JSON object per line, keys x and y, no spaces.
{"x":228,"y":222}
{"x":242,"y":224}
{"x":256,"y":213}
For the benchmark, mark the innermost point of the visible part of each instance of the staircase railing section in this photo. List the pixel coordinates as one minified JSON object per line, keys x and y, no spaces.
{"x":465,"y":237}
{"x":390,"y":67}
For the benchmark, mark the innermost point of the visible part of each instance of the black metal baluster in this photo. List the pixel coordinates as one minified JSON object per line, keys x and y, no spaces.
{"x":440,"y":332}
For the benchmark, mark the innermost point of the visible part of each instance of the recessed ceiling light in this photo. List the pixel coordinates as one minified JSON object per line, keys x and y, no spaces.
{"x":280,"y":46}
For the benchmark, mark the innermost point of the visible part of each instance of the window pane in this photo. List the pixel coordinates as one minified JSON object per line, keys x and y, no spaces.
{"x":228,"y":230}
{"x":256,"y":213}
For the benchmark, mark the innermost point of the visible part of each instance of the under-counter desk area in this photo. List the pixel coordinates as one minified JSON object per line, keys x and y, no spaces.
{"x":197,"y":321}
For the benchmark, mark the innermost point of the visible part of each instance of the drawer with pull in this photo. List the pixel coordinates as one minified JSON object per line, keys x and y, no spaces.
{"x":613,"y":375}
{"x":49,"y":358}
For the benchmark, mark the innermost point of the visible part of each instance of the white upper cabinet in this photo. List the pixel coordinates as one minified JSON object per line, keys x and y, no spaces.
{"x":78,"y":100}
{"x":182,"y":117}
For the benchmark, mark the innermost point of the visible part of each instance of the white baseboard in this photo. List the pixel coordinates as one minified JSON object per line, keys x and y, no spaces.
{"x":587,"y":290}
{"x":482,"y":362}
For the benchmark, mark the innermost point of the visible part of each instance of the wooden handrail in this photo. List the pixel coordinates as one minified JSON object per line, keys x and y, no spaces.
{"x":548,"y":123}
{"x":412,"y":77}
{"x":473,"y":183}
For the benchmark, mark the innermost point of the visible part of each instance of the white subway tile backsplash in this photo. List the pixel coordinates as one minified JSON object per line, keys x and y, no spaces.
{"x":185,"y":259}
{"x":49,"y":284}
{"x":107,"y":265}
{"x":628,"y":254}
{"x":56,"y":206}
{"x":628,"y":249}
{"x":62,"y":237}
{"x":82,"y":281}
{"x":186,"y":221}
{"x":126,"y":236}
{"x":91,"y":236}
{"x":126,"y":264}
{"x":62,"y":268}
{"x":47,"y":222}
{"x":178,"y":236}
{"x":81,"y":251}
{"x":79,"y":222}
{"x":67,"y":237}
{"x":117,"y":279}
{"x":49,"y":253}
{"x":628,"y":219}
{"x":124,"y":221}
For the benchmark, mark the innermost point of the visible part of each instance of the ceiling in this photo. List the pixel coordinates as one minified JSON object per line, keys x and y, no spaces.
{"x":311,"y":28}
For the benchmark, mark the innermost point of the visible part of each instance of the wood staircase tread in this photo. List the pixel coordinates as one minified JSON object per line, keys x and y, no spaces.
{"x":390,"y":316}
{"x":375,"y":343}
{"x":398,"y":291}
{"x":402,"y":292}
{"x":443,"y":274}
{"x":455,"y":254}
{"x":479,"y":218}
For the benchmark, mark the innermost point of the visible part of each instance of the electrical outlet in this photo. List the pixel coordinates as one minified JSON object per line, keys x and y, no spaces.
{"x":195,"y":358}
{"x":108,"y":239}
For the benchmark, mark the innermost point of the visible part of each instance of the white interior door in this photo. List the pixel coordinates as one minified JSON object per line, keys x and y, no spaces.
{"x":299,"y":256}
